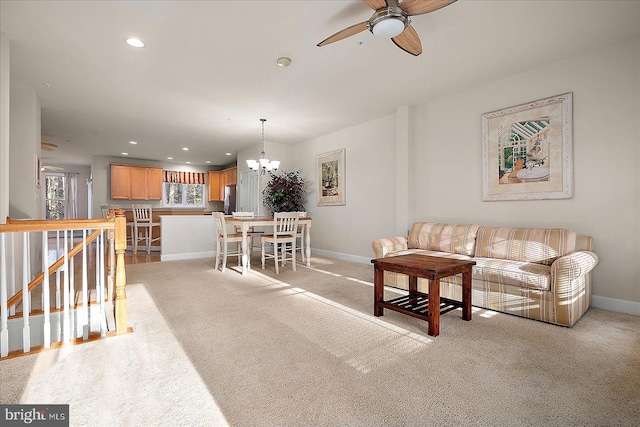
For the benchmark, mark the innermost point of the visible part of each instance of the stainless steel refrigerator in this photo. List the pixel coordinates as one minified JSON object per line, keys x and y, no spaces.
{"x":229,"y":199}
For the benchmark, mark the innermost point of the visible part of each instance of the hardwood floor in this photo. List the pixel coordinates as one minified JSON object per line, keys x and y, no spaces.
{"x":141,"y":257}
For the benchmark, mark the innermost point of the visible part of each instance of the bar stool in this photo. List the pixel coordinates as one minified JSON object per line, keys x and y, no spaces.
{"x":143,"y":220}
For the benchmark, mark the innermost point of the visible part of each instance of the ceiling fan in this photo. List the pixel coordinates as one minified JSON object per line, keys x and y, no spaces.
{"x":50,"y":168}
{"x":47,"y":146}
{"x":392,"y":19}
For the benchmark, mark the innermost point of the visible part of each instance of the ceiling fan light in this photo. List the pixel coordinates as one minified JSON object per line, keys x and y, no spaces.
{"x":388,"y":28}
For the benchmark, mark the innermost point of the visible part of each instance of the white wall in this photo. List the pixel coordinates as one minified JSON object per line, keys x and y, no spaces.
{"x":444,"y":168}
{"x":24,"y":197}
{"x":606,"y":101}
{"x":370,"y":188}
{"x":4,"y":126}
{"x":24,"y":144}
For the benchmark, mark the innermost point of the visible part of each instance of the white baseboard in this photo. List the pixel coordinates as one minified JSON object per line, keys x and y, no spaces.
{"x":192,"y":255}
{"x":617,"y":305}
{"x":345,"y":257}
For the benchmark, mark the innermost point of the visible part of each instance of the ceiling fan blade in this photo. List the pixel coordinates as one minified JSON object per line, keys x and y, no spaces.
{"x":48,"y":144}
{"x":409,"y":41}
{"x":375,"y":4}
{"x":343,"y":34}
{"x":420,"y":7}
{"x":46,"y":148}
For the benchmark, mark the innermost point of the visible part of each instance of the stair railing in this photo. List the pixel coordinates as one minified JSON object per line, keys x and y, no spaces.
{"x":74,"y":322}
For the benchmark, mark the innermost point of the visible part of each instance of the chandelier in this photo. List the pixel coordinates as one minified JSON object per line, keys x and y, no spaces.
{"x":263,"y":165}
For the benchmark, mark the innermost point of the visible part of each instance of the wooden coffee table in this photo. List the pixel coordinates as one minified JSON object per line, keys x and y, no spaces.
{"x":417,"y":304}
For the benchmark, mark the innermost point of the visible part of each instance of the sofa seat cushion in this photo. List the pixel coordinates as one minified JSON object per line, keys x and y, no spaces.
{"x":515,"y":273}
{"x":539,"y":245}
{"x":457,"y":239}
{"x":430,"y":253}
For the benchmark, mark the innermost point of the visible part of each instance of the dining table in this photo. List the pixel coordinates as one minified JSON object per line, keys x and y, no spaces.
{"x":245,"y":224}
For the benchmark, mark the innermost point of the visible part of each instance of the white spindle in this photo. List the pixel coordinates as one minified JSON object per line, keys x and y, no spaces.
{"x":97,"y":259}
{"x":4,"y":324}
{"x":45,"y":290}
{"x":85,"y":291}
{"x":26,"y":328}
{"x":72,"y":289}
{"x":29,"y":269}
{"x":103,"y":319}
{"x":66,"y":335}
{"x":12,"y":272}
{"x":58,"y":270}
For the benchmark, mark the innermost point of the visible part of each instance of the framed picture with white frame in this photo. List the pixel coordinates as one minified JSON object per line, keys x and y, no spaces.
{"x":331,"y":178}
{"x":527,"y":151}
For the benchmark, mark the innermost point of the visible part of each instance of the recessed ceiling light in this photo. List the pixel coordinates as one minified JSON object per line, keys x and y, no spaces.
{"x":283,"y":61}
{"x":125,"y":154}
{"x":227,"y":154}
{"x":185,"y":149}
{"x":133,"y":142}
{"x":134,"y":42}
{"x":188,"y":163}
{"x":208,"y":161}
{"x":169,"y":158}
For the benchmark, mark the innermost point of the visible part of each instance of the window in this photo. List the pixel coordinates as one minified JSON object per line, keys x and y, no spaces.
{"x":183,"y":195}
{"x":54,"y":196}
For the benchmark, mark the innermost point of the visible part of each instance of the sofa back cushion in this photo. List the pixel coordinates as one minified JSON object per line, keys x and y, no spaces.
{"x":456,"y":239}
{"x":539,"y":245}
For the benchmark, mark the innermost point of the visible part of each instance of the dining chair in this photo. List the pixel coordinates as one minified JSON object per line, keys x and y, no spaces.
{"x":223,"y":239}
{"x":143,"y":222}
{"x":300,"y":235}
{"x":285,"y":228}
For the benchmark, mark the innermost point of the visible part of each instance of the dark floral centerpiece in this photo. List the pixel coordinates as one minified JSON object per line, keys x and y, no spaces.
{"x":285,"y":192}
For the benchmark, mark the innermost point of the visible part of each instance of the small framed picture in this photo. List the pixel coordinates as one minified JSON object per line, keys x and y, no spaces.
{"x":331,"y":178}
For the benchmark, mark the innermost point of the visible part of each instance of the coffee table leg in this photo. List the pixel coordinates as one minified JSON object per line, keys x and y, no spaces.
{"x":378,"y":290}
{"x":413,"y":287}
{"x":434,"y":307}
{"x":466,"y":295}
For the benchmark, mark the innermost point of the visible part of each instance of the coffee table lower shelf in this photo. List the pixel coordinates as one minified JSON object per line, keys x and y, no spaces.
{"x":416,"y":305}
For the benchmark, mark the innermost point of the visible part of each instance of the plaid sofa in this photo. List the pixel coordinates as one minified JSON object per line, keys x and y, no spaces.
{"x":542,"y":274}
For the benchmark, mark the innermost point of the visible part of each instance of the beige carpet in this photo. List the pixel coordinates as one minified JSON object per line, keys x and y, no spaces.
{"x":304,"y":349}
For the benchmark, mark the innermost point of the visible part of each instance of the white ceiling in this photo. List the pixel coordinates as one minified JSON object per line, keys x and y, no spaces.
{"x":208,"y":72}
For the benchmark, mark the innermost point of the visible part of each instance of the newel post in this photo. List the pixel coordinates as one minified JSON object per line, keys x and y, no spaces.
{"x":121,"y":277}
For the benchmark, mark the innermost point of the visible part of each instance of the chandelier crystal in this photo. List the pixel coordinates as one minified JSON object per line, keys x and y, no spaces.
{"x":263,"y":165}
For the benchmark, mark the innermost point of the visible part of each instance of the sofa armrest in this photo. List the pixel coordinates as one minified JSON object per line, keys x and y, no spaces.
{"x":381,"y":247}
{"x":573,"y":265}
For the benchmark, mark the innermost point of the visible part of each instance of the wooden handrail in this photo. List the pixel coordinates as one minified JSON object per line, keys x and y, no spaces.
{"x":56,"y":265}
{"x":18,"y":225}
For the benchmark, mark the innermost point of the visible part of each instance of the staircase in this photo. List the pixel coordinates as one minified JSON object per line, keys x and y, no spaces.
{"x":77,"y":294}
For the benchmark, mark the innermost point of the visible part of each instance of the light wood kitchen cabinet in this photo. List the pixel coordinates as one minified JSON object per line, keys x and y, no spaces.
{"x":136,"y":182}
{"x":154,"y":187}
{"x":218,"y":180}
{"x":120,"y":182}
{"x":231,"y":176}
{"x":214,"y":186}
